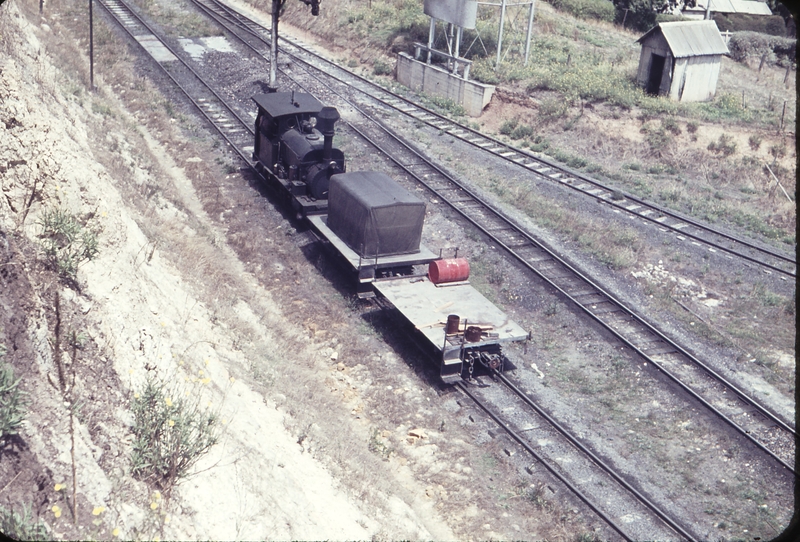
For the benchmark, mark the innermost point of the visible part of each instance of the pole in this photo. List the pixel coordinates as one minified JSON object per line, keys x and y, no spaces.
{"x":530,"y":31}
{"x":91,"y":47}
{"x":273,"y":54}
{"x":430,"y":38}
{"x":500,"y":32}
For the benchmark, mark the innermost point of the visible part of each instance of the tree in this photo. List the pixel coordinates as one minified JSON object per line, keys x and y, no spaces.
{"x":636,"y":14}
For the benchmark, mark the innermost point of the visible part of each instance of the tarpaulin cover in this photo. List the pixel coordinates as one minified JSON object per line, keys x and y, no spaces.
{"x":374,"y":215}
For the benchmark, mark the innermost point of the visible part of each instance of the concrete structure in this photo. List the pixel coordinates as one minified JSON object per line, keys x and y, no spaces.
{"x":681,"y":60}
{"x":431,"y":79}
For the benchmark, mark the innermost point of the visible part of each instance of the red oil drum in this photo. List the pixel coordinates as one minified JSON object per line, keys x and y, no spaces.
{"x":473,"y":334}
{"x":448,"y":270}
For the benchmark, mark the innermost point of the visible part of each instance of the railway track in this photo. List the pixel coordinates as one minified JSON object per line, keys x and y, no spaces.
{"x":722,"y":397}
{"x":616,"y":501}
{"x":755,"y":422}
{"x":219,"y":113}
{"x":685,"y":228}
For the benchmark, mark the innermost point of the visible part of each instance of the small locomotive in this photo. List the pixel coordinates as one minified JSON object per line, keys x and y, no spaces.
{"x":294,"y":147}
{"x":375,"y":225}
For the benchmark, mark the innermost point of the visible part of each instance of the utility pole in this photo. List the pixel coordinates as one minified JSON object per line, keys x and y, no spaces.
{"x":277,"y":7}
{"x":91,"y":48}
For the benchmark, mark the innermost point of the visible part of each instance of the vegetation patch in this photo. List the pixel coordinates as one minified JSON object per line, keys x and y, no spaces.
{"x":12,"y":401}
{"x":171,"y":432}
{"x":67,"y":243}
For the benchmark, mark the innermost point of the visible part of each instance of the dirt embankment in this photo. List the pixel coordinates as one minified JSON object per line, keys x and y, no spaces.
{"x":163,"y":295}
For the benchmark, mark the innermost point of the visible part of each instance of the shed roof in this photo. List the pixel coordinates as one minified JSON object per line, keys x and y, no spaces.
{"x":690,"y":38}
{"x":753,"y":7}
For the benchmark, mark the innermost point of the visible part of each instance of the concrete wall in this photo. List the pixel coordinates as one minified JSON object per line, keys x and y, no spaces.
{"x":419,"y":76}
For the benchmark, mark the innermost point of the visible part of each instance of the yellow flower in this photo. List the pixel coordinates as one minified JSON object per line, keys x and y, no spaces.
{"x":153,"y":505}
{"x":115,"y":532}
{"x":233,"y":380}
{"x":56,"y":510}
{"x":157,"y":495}
{"x":207,"y":362}
{"x":168,"y":401}
{"x":180,"y":362}
{"x":171,"y":423}
{"x":136,"y":395}
{"x":206,"y":380}
{"x":98,"y":510}
{"x":200,"y":372}
{"x":59,"y":487}
{"x":166,"y":519}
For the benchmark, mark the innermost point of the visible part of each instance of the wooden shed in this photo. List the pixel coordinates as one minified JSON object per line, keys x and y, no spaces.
{"x":681,"y":60}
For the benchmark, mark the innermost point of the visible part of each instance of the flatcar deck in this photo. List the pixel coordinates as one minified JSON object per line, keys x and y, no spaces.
{"x":320,"y":223}
{"x":427,"y":306}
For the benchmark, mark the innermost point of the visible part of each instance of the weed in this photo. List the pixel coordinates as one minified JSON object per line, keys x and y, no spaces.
{"x":754,"y":141}
{"x":724,"y":145}
{"x":508,"y":126}
{"x":671,"y":125}
{"x":778,"y":151}
{"x":692,"y":126}
{"x":522,"y":131}
{"x":12,"y":401}
{"x":766,"y":297}
{"x":379,"y":67}
{"x":66,"y":243}
{"x":22,"y":527}
{"x":377,"y":446}
{"x":170,"y":432}
{"x":102,"y":109}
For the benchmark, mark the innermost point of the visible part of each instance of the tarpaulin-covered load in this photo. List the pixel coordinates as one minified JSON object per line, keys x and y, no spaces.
{"x":374,"y":215}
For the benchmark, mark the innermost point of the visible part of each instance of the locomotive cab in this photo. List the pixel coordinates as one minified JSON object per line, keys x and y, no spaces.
{"x":294,"y":146}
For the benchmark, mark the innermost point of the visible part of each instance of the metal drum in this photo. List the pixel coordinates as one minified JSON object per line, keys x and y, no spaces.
{"x":448,"y":270}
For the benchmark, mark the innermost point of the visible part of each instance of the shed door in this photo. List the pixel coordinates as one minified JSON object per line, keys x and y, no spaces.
{"x":656,"y":71}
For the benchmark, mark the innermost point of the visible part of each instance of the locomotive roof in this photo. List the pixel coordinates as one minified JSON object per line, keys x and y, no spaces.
{"x":279,"y":104}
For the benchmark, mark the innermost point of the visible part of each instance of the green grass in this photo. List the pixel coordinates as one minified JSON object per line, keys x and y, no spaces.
{"x":22,"y":526}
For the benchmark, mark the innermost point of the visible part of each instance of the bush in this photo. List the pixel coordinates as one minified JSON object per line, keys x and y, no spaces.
{"x":744,"y":45}
{"x":742,"y":22}
{"x":379,"y":67}
{"x":66,"y":242}
{"x":12,"y":402}
{"x":22,"y":527}
{"x":170,"y":432}
{"x":724,"y":145}
{"x":640,"y":14}
{"x":508,"y":126}
{"x":601,"y":10}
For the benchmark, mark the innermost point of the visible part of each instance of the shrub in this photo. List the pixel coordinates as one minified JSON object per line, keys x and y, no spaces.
{"x":601,"y":10}
{"x":744,"y":45}
{"x":640,"y":14}
{"x":671,"y":125}
{"x":12,"y":401}
{"x":66,"y":243}
{"x":22,"y":527}
{"x":742,"y":22}
{"x":522,"y":131}
{"x":379,"y":67}
{"x":754,"y":141}
{"x":508,"y":126}
{"x":170,"y":432}
{"x":724,"y":145}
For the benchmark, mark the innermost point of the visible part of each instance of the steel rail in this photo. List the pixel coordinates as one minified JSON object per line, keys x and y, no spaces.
{"x":506,"y":152}
{"x":743,"y":397}
{"x":525,"y":262}
{"x":674,"y":525}
{"x":541,"y":460}
{"x":120,"y":5}
{"x":575,"y":272}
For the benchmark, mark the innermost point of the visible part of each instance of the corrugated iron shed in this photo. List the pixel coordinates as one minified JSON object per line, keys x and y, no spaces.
{"x":753,"y":7}
{"x":690,"y":38}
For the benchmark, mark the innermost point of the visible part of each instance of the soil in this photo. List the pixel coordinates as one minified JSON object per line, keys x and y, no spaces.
{"x":334,"y":427}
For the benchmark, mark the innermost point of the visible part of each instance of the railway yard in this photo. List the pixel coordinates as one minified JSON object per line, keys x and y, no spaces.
{"x":653,"y":400}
